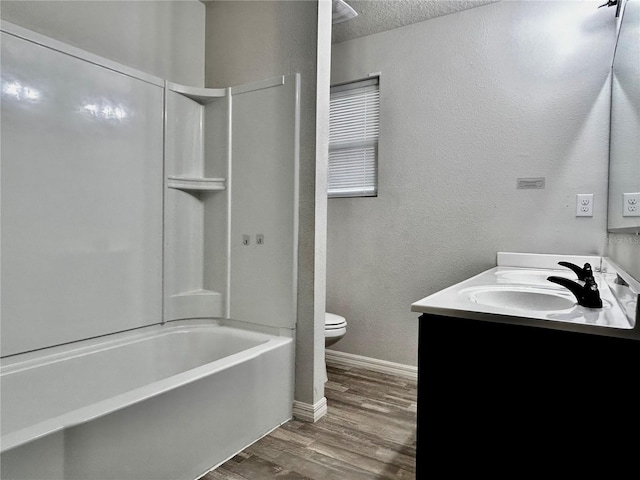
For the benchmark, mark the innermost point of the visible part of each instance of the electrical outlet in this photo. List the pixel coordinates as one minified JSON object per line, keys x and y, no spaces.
{"x":631,"y":204}
{"x":584,"y":205}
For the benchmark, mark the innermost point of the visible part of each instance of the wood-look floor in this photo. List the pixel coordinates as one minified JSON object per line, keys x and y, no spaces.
{"x":369,"y":432}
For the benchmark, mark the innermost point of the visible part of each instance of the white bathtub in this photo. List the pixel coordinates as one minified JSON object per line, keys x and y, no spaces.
{"x":163,"y":402}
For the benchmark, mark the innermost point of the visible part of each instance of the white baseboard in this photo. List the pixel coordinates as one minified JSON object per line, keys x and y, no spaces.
{"x":308,"y":412}
{"x":382,"y":366}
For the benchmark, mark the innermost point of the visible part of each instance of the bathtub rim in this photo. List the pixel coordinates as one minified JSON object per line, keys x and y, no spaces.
{"x":275,"y":338}
{"x":124,"y":336}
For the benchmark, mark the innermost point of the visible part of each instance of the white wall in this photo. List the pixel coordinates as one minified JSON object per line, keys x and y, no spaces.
{"x":164,"y":38}
{"x":469,"y":103}
{"x":252,"y":40}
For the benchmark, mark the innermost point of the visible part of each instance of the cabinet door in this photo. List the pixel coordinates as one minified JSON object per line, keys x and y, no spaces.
{"x":489,"y":391}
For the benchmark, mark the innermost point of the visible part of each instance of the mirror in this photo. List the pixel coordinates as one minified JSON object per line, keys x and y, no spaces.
{"x":624,"y":150}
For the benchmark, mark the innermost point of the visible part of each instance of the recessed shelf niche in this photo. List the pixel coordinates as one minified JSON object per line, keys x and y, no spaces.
{"x":196,"y":165}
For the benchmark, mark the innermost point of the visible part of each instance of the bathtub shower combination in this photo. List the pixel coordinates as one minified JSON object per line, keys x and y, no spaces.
{"x":142,"y":338}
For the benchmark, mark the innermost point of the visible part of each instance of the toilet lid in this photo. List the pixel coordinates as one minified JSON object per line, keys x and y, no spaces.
{"x":331,"y":320}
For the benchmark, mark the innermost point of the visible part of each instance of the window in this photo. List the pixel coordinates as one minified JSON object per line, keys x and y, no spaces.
{"x":353,"y":139}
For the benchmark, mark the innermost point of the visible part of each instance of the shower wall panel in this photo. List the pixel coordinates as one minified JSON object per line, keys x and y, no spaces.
{"x":264,"y":201}
{"x":81,"y":192}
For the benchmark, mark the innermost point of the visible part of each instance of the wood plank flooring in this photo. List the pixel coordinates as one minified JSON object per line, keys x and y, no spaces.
{"x":368,"y":433}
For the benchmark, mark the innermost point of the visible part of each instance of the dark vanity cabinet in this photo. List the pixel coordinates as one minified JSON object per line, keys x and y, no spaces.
{"x":491,"y":393}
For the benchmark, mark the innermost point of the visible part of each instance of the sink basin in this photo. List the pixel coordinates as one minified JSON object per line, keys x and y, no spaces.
{"x":519,"y":291}
{"x":515,"y":297}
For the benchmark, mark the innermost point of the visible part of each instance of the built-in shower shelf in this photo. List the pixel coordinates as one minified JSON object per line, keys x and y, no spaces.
{"x":196,"y":183}
{"x":200,"y":95}
{"x":194,"y":304}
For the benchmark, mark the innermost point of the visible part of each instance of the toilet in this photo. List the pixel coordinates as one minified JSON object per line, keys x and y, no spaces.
{"x":335,"y":327}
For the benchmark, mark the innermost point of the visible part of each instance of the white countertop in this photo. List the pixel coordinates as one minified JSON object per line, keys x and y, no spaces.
{"x":528,"y":273}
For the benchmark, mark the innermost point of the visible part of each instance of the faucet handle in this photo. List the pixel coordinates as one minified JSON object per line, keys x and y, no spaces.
{"x":582,"y":272}
{"x":588,"y":272}
{"x":591,"y":294}
{"x":587,"y":295}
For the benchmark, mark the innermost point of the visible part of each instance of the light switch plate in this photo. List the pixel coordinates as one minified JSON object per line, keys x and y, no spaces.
{"x":584,"y":205}
{"x":631,"y":204}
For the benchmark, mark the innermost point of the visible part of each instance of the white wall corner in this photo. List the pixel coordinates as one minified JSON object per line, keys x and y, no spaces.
{"x":323,"y":81}
{"x":310,"y":413}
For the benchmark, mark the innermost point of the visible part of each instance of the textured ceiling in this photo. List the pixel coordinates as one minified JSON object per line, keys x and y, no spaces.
{"x":376,"y":16}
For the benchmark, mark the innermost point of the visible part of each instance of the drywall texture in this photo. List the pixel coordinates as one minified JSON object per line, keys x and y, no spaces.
{"x":164,"y":38}
{"x":249,"y":41}
{"x":469,"y":103}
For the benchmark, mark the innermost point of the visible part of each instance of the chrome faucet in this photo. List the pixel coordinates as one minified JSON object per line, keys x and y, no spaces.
{"x":588,"y":294}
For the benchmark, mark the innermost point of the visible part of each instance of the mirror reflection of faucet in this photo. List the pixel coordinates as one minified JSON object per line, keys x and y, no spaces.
{"x":586,"y":292}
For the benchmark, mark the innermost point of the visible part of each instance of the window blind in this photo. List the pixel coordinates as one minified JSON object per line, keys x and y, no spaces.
{"x":353,"y":139}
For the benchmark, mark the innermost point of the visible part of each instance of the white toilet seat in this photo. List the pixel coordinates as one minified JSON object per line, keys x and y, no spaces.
{"x":335,"y":327}
{"x":331,"y":321}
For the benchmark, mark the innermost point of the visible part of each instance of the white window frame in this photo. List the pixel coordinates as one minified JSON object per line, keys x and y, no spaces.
{"x":353,"y":140}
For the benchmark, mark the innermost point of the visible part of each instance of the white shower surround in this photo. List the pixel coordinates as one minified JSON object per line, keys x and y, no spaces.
{"x":174,"y":399}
